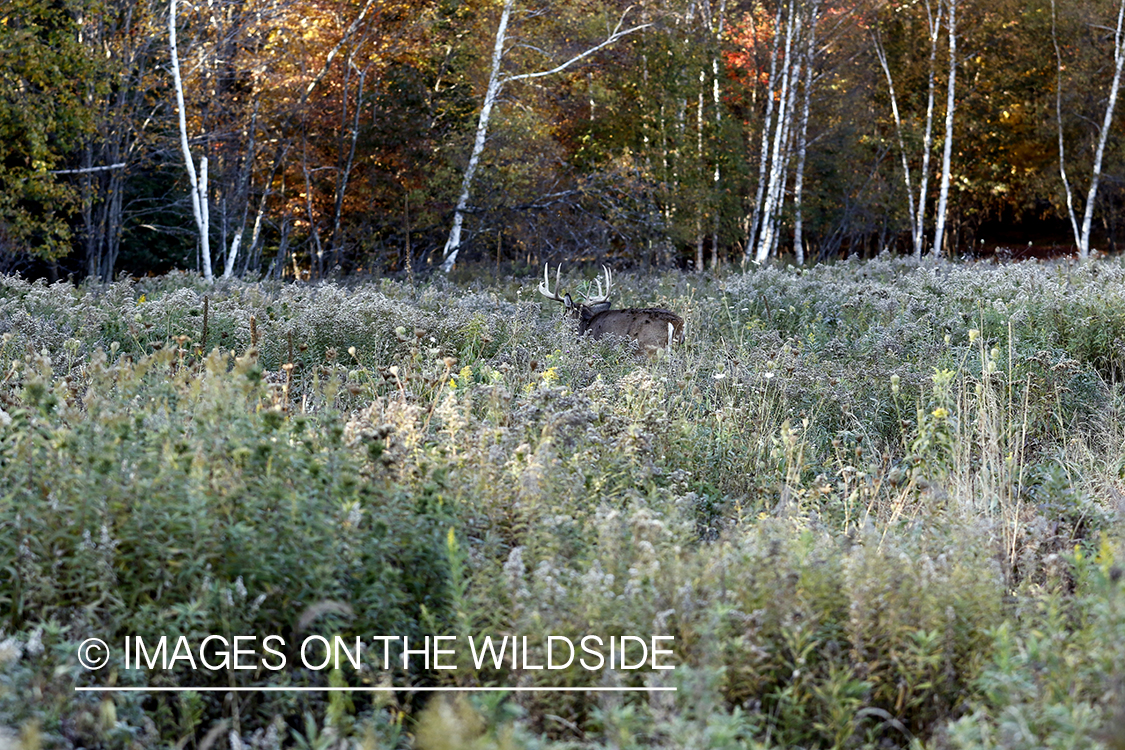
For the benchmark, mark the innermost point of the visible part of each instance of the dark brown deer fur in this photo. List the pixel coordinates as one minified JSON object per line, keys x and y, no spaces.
{"x":652,"y":328}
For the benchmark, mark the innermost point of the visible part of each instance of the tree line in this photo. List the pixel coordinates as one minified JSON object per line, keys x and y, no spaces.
{"x":307,"y":138}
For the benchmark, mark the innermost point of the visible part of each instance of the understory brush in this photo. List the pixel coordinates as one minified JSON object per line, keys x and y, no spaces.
{"x":874,"y":504}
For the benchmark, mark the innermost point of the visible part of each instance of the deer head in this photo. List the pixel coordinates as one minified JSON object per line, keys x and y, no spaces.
{"x":652,"y":328}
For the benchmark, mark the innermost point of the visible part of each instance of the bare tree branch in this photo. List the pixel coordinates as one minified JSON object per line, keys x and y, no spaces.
{"x":615,"y":36}
{"x":87,"y":170}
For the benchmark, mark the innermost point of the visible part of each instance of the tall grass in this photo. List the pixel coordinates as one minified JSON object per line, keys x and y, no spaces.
{"x":877,"y":504}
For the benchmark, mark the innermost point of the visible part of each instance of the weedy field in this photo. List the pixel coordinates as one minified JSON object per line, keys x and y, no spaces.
{"x":877,"y":504}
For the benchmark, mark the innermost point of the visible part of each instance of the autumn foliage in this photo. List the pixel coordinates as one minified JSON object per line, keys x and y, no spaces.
{"x":337,"y":133}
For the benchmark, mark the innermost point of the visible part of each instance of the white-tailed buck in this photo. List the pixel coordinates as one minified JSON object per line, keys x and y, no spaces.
{"x":651,"y":327}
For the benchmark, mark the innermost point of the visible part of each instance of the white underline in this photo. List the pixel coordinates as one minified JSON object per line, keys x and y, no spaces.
{"x":278,"y":689}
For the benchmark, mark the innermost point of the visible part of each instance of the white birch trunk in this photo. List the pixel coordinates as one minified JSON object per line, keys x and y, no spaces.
{"x":1099,"y":153}
{"x":786,"y":157}
{"x":198,"y":183}
{"x":716,"y":102}
{"x":495,"y":84}
{"x":934,"y":21}
{"x":781,"y":132}
{"x":665,"y":179}
{"x":914,"y":223}
{"x":947,"y":149}
{"x":1058,"y":120}
{"x":701,"y":203}
{"x":236,"y":243}
{"x":802,"y":140}
{"x":763,"y":161}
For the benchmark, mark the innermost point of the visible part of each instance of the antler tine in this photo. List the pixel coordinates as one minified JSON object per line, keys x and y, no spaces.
{"x":602,"y":296}
{"x":545,"y":286}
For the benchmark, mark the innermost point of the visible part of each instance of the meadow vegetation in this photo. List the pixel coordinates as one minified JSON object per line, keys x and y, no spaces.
{"x":878,"y":504}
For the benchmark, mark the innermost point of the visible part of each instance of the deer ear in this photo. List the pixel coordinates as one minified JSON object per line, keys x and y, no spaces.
{"x":568,"y":301}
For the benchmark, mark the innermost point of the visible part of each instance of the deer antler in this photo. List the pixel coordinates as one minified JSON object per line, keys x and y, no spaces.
{"x":545,"y":286}
{"x":601,"y":296}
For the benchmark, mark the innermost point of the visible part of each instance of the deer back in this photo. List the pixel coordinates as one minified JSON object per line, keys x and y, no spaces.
{"x":653,"y":328}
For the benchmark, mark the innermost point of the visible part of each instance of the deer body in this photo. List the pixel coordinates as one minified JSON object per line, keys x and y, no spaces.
{"x":652,"y":327}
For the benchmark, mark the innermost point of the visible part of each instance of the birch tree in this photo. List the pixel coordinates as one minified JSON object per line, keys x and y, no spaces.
{"x":1082,"y":233}
{"x":802,"y":138}
{"x":701,"y":204}
{"x":763,"y":160}
{"x":198,"y":181}
{"x":716,"y":103}
{"x":916,"y":207}
{"x":497,"y":80}
{"x":792,"y":79}
{"x":780,"y":150}
{"x":947,"y":147}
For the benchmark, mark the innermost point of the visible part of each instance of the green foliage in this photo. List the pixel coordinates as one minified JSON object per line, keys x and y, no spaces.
{"x":45,"y":75}
{"x":184,"y":501}
{"x":1057,"y":681}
